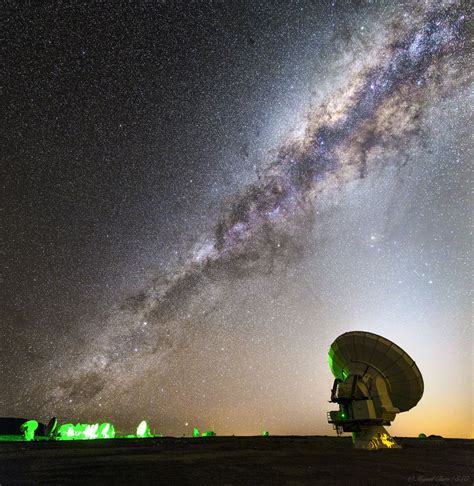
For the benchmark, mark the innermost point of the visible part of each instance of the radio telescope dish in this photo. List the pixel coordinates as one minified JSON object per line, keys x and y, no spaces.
{"x":374,"y":380}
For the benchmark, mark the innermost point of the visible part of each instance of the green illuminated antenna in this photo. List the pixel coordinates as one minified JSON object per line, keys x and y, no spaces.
{"x":374,"y":381}
{"x":29,"y":428}
{"x":143,"y":430}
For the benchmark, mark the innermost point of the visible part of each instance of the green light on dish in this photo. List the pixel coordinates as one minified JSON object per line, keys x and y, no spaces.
{"x":85,"y":431}
{"x":90,"y":431}
{"x":106,"y":431}
{"x":28,"y":428}
{"x":143,"y":430}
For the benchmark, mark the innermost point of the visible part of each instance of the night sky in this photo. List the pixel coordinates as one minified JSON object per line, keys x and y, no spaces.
{"x":197,"y":198}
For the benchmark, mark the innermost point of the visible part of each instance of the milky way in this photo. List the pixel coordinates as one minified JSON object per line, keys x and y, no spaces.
{"x":130,"y":365}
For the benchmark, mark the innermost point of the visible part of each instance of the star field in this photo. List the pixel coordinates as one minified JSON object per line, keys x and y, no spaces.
{"x":198,"y":198}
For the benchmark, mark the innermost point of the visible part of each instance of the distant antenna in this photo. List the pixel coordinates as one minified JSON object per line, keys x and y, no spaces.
{"x":374,"y":380}
{"x":29,"y":428}
{"x":51,"y":427}
{"x":143,"y":429}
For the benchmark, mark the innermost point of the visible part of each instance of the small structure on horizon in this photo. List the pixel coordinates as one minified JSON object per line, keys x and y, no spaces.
{"x":85,"y":431}
{"x":209,"y":433}
{"x":29,"y":428}
{"x":143,"y":429}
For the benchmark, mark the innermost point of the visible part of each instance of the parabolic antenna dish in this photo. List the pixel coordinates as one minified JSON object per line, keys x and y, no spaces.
{"x":361,"y":353}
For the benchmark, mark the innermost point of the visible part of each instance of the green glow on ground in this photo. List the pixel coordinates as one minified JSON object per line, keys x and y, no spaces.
{"x":196,"y":432}
{"x":12,"y":438}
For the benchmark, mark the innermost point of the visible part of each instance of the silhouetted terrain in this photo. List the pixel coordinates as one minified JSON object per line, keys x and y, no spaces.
{"x":236,"y":460}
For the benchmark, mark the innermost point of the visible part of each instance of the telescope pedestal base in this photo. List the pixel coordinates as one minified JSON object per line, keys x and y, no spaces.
{"x":373,"y":437}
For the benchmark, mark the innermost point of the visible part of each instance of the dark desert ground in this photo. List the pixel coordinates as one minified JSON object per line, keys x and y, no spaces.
{"x":236,"y":460}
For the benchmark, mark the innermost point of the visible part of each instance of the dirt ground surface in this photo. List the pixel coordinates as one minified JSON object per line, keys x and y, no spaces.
{"x":236,"y":460}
